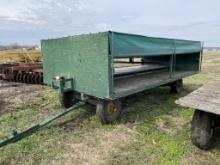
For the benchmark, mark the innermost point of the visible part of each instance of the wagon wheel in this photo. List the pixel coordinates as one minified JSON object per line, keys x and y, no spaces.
{"x":67,"y":99}
{"x":108,"y":111}
{"x":202,"y":130}
{"x":176,"y":86}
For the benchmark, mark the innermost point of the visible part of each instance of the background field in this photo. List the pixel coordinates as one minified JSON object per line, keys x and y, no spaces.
{"x":152,"y":129}
{"x":20,"y":56}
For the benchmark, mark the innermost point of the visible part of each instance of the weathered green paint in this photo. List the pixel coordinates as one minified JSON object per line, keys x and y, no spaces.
{"x":88,"y":60}
{"x":84,"y":58}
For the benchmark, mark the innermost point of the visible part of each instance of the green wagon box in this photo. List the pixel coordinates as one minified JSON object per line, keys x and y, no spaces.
{"x":105,"y":67}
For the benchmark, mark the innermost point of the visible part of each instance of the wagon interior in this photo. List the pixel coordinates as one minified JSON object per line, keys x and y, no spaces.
{"x":150,"y":71}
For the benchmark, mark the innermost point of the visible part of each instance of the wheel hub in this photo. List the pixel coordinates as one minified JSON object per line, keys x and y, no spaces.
{"x":111,"y":109}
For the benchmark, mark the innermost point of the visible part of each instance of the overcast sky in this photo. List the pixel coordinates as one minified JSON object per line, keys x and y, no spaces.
{"x":28,"y":21}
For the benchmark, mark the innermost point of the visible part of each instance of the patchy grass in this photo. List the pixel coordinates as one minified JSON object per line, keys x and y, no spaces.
{"x":152,"y":130}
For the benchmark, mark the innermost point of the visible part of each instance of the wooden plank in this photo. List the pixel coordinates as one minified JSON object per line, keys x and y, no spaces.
{"x":141,"y":81}
{"x":138,"y":69}
{"x":201,"y":95}
{"x":128,"y":83}
{"x":206,"y":98}
{"x":212,"y":108}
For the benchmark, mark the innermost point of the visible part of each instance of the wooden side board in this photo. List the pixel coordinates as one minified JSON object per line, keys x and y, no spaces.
{"x":206,"y":98}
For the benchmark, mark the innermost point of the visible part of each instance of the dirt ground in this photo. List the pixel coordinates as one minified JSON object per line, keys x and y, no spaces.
{"x":152,"y":129}
{"x":12,"y":94}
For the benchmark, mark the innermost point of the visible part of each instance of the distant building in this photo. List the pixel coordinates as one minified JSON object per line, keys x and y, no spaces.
{"x":19,"y":47}
{"x":212,"y":49}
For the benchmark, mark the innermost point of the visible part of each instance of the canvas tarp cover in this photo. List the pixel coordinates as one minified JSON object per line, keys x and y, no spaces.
{"x":125,"y":45}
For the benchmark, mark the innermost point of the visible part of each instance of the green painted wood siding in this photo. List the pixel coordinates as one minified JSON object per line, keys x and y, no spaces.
{"x":84,"y":58}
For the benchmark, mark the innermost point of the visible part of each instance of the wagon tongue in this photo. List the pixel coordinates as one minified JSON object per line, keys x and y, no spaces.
{"x":18,"y":136}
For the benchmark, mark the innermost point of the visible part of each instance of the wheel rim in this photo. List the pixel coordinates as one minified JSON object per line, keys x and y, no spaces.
{"x":111,"y":109}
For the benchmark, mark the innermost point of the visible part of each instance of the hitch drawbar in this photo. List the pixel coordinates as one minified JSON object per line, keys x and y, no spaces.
{"x":18,"y":136}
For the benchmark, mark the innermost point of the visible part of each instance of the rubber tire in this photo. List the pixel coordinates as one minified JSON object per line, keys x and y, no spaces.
{"x":102,"y":111}
{"x":176,"y":86}
{"x":67,"y":99}
{"x":202,"y":130}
